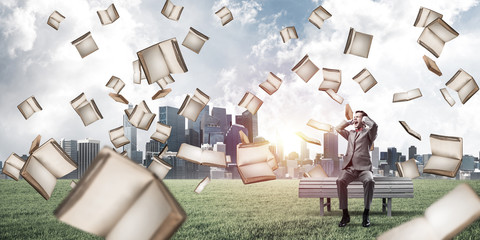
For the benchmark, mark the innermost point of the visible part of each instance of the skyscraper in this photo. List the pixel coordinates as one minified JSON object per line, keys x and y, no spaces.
{"x":330,"y":150}
{"x":232,"y":138}
{"x":392,"y":158}
{"x":221,"y":115}
{"x":152,"y":148}
{"x":195,"y":129}
{"x":412,"y":150}
{"x":87,"y":151}
{"x":70,"y":147}
{"x":375,"y":157}
{"x":131,"y":134}
{"x":168,"y":115}
{"x":250,"y":122}
{"x":468,"y":163}
{"x":304,"y":152}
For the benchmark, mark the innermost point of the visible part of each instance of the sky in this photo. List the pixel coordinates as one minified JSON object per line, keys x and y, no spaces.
{"x":40,"y":61}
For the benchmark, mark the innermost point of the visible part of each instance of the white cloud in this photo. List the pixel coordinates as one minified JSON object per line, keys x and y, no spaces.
{"x":244,"y":11}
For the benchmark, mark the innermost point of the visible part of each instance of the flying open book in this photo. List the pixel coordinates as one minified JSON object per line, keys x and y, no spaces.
{"x":464,"y":84}
{"x":320,"y":126}
{"x":161,"y":93}
{"x":272,"y":84}
{"x":305,"y":69}
{"x":407,"y":96}
{"x":47,"y":163}
{"x":255,"y":162}
{"x":138,"y":73}
{"x":108,"y":16}
{"x":28,"y":107}
{"x":318,"y":16}
{"x":447,"y":97}
{"x":85,"y":44}
{"x":316,"y":172}
{"x":202,"y":185}
{"x":87,"y":110}
{"x":435,"y":35}
{"x":117,"y":137}
{"x":288,"y":33}
{"x":432,"y":65}
{"x":447,"y":153}
{"x":118,"y":98}
{"x":161,"y":60}
{"x":425,"y":16}
{"x":358,"y":43}
{"x":116,"y":84}
{"x":55,"y":19}
{"x":410,"y":131}
{"x":334,"y":96}
{"x":348,"y":112}
{"x":158,"y":166}
{"x":444,"y":219}
{"x":225,"y":15}
{"x":251,"y":102}
{"x":408,"y":169}
{"x":195,"y":40}
{"x":192,"y":106}
{"x":308,"y":139}
{"x":12,"y":166}
{"x":162,"y":132}
{"x":162,"y":83}
{"x":141,"y":117}
{"x":332,"y":79}
{"x":171,"y":11}
{"x":365,"y":79}
{"x":203,"y":157}
{"x":118,"y":199}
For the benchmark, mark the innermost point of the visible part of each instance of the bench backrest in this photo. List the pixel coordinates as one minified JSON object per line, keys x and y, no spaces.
{"x":385,"y":187}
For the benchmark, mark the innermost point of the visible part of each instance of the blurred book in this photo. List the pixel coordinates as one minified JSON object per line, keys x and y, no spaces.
{"x":47,"y":163}
{"x":171,"y":11}
{"x":332,"y":79}
{"x":116,"y":198}
{"x":444,"y":219}
{"x":225,"y":15}
{"x":425,"y":16}
{"x":73,"y":184}
{"x":138,"y":73}
{"x":316,"y":172}
{"x":160,"y":60}
{"x":159,"y":167}
{"x":334,"y":96}
{"x":55,"y":19}
{"x":202,"y":185}
{"x":162,"y":132}
{"x":464,"y":84}
{"x":365,"y":79}
{"x":109,"y":15}
{"x":85,"y":44}
{"x":251,"y":102}
{"x":318,"y":16}
{"x":116,"y":84}
{"x":118,"y":98}
{"x":195,"y":40}
{"x":447,"y":97}
{"x":12,"y":166}
{"x":408,"y":169}
{"x":203,"y":157}
{"x":288,"y":33}
{"x":272,"y":84}
{"x":243,"y":137}
{"x":117,"y":137}
{"x":358,"y":43}
{"x":447,"y":153}
{"x":192,"y":106}
{"x":407,"y":96}
{"x":320,"y":126}
{"x":255,"y":162}
{"x":305,"y":69}
{"x":308,"y":139}
{"x":432,"y":65}
{"x":348,"y":112}
{"x":410,"y":131}
{"x":87,"y":110}
{"x":435,"y":35}
{"x":141,"y":117}
{"x":161,"y":93}
{"x":29,"y":106}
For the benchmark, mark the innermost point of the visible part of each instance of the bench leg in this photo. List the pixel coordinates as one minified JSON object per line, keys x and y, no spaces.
{"x":389,"y":206}
{"x":322,"y":205}
{"x":384,"y":204}
{"x":329,"y":205}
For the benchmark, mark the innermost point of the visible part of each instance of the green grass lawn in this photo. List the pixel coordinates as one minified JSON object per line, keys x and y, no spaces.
{"x":228,"y":209}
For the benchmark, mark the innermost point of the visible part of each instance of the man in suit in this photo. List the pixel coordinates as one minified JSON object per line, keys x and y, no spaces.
{"x":357,"y":163}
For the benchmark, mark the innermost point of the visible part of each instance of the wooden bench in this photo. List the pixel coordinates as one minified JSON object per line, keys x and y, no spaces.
{"x":385,"y":188}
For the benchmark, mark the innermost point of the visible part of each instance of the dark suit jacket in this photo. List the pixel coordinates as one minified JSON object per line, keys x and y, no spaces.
{"x":359,"y":144}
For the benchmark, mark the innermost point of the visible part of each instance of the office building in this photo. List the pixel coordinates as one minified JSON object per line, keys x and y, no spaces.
{"x":250,"y":122}
{"x":70,"y":147}
{"x":304,"y":152}
{"x":131,"y":134}
{"x":195,"y":129}
{"x":232,"y":139}
{"x":468,"y":163}
{"x":330,"y":151}
{"x":87,"y":151}
{"x":221,"y":115}
{"x":392,"y":158}
{"x":168,"y":115}
{"x":152,"y":148}
{"x":412,"y":150}
{"x":375,"y":157}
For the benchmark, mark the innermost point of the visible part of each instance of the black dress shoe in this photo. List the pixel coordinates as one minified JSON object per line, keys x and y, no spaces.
{"x":366,"y":222}
{"x":344,"y":221}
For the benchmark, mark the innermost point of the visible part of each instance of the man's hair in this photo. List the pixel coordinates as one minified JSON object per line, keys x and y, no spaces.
{"x":362,"y":112}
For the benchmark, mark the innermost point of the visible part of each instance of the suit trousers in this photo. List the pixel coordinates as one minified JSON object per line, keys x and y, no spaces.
{"x":349,"y":175}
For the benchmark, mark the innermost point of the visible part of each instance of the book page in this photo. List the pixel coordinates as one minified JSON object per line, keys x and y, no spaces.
{"x":173,"y":57}
{"x":318,"y":172}
{"x":88,"y":114}
{"x":202,"y":185}
{"x":176,"y":13}
{"x":104,"y":17}
{"x":213,"y":158}
{"x":453,"y":212}
{"x":334,"y":96}
{"x":321,"y":126}
{"x":146,"y":121}
{"x":54,"y":158}
{"x":467,"y":91}
{"x":138,"y":73}
{"x":118,"y":142}
{"x":112,"y":13}
{"x":167,"y":8}
{"x":268,"y":87}
{"x":190,"y":153}
{"x":11,"y":171}
{"x":79,"y":101}
{"x":442,"y":164}
{"x":254,"y":105}
{"x":367,"y":83}
{"x":194,"y":41}
{"x":116,"y":133}
{"x":442,"y":30}
{"x":361,"y":44}
{"x":26,"y":109}
{"x":305,"y":69}
{"x":459,"y":80}
{"x":447,"y":97}
{"x":41,"y":175}
{"x":410,"y":131}
{"x":200,"y":97}
{"x":431,"y":42}
{"x":445,"y":146}
{"x":192,"y":109}
{"x":153,"y":63}
{"x":159,"y":167}
{"x":164,"y":129}
{"x":15,"y":161}
{"x":410,"y":168}
{"x":252,"y":153}
{"x":85,"y":45}
{"x":159,"y":137}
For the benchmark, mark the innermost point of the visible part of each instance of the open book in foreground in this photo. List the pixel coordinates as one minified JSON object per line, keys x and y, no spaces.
{"x":55,"y":19}
{"x":109,"y":15}
{"x":192,"y":106}
{"x":288,"y":33}
{"x":435,"y":35}
{"x":365,"y":79}
{"x":28,"y":107}
{"x":408,"y":168}
{"x":464,"y":84}
{"x":407,"y":96}
{"x":87,"y":110}
{"x":256,"y":162}
{"x":12,"y":166}
{"x":272,"y":84}
{"x":358,"y":43}
{"x":202,"y":185}
{"x":85,"y":44}
{"x":251,"y":102}
{"x":308,"y":139}
{"x":410,"y":131}
{"x":444,"y":219}
{"x":447,"y":153}
{"x":332,"y":79}
{"x":316,"y":172}
{"x":117,"y":199}
{"x":203,"y":157}
{"x":45,"y":165}
{"x":172,"y":11}
{"x":318,"y":16}
{"x":305,"y":69}
{"x":225,"y":15}
{"x":158,"y":166}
